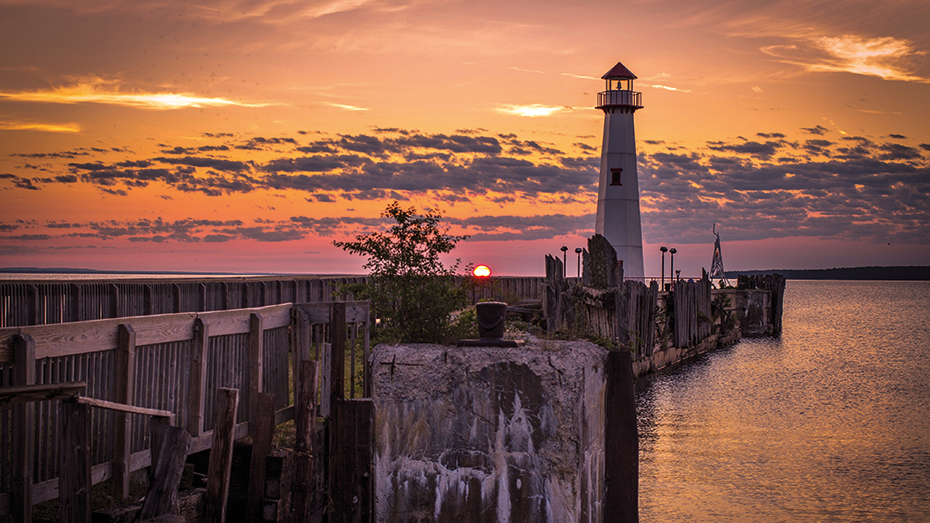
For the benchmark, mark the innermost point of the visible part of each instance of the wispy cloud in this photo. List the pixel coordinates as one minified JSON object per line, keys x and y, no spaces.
{"x":667,"y":88}
{"x":100,"y":91}
{"x":532,"y":110}
{"x":347,"y":107}
{"x":580,"y":76}
{"x":887,"y":57}
{"x":47,"y":127}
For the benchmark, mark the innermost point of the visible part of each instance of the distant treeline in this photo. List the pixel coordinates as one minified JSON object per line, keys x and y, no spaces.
{"x":848,"y":273}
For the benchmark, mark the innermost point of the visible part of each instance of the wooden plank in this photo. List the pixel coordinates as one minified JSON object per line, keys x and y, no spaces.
{"x":350,"y":480}
{"x":305,"y":426}
{"x":120,"y":407}
{"x":198,"y":377}
{"x":97,"y":335}
{"x":261,"y":427}
{"x":122,"y":421}
{"x":163,"y":490}
{"x":32,"y":305}
{"x":621,"y":441}
{"x":74,"y":479}
{"x":220,"y":466}
{"x":23,"y":442}
{"x":51,"y":391}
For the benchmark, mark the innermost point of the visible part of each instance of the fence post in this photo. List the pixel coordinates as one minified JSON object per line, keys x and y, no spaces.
{"x":24,"y":373}
{"x":218,"y":471}
{"x":32,"y":305}
{"x":148,"y":300}
{"x":77,"y":302}
{"x":350,"y":480}
{"x":199,"y":348}
{"x":168,"y":467}
{"x":114,"y":301}
{"x":176,"y":295}
{"x":337,"y":332}
{"x":261,"y":427}
{"x":74,"y":459}
{"x":621,"y":441}
{"x":122,"y":421}
{"x":305,"y":425}
{"x":74,"y":479}
{"x":256,"y":359}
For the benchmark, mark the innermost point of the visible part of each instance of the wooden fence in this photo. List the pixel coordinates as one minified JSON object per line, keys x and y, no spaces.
{"x":41,"y":302}
{"x":169,"y":362}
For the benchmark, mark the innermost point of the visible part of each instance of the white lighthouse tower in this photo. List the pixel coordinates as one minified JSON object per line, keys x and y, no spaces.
{"x":618,"y":192}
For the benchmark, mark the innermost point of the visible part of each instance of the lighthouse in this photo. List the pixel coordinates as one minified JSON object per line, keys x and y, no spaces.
{"x":618,"y":190}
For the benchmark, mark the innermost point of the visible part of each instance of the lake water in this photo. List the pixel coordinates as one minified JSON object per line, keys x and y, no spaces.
{"x":829,"y":422}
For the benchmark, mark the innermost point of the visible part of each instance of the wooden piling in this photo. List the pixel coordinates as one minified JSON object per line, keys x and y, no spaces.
{"x":163,"y":491}
{"x":261,"y":427}
{"x":74,"y":461}
{"x":218,"y":471}
{"x":305,"y":425}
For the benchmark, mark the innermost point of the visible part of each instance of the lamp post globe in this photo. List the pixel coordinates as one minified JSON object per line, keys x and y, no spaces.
{"x":564,"y":261}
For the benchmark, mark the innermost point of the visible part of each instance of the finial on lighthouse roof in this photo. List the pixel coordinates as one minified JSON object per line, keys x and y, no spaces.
{"x":619,"y":72}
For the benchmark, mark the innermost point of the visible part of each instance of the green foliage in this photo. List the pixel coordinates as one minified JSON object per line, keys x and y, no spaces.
{"x":412,"y":293}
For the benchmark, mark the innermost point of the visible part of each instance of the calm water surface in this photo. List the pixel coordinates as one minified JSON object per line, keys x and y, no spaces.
{"x":830,"y":422}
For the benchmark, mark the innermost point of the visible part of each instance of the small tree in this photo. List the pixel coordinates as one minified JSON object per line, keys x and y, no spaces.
{"x":411,"y":292}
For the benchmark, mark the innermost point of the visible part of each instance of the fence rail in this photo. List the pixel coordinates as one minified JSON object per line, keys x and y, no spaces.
{"x":169,"y":362}
{"x":41,"y":302}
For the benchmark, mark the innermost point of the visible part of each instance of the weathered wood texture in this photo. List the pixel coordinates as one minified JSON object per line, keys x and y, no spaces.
{"x":558,"y":306}
{"x":214,"y":503}
{"x":774,"y":283}
{"x":621,"y":451}
{"x":350,"y":478}
{"x":604,"y":272}
{"x":691,"y":311}
{"x":262,"y":429}
{"x":304,"y":483}
{"x":636,"y":316}
{"x":162,"y":494}
{"x":74,"y":482}
{"x":166,"y":365}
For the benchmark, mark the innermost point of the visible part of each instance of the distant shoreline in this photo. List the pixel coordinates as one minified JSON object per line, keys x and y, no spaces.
{"x":911,"y":273}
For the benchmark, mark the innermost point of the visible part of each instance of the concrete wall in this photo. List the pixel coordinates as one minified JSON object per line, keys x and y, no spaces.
{"x":489,"y":434}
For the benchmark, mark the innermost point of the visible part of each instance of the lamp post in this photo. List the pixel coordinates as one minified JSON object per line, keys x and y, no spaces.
{"x":664,"y":250}
{"x":578,"y":252}
{"x":671,"y":271}
{"x":564,"y":261}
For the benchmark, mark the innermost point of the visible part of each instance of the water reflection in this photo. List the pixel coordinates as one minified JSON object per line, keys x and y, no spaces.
{"x":830,"y":422}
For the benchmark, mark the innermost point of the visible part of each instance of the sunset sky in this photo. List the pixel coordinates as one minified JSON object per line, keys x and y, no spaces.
{"x":248,"y":136}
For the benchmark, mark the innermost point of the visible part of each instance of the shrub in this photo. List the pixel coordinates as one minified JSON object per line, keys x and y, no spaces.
{"x":411,"y":292}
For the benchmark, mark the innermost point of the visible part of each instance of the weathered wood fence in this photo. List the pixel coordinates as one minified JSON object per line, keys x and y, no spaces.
{"x":168,"y":362}
{"x":41,"y":302}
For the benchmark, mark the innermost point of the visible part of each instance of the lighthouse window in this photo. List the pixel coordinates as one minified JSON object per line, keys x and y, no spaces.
{"x":615,"y":176}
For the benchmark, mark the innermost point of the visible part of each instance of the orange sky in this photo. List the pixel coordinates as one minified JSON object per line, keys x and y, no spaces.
{"x":247,"y":136}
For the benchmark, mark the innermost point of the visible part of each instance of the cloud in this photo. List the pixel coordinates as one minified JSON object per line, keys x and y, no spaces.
{"x":887,"y":57}
{"x":531,"y":110}
{"x":100,"y":91}
{"x":768,"y":187}
{"x":7,"y":125}
{"x":346,"y":107}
